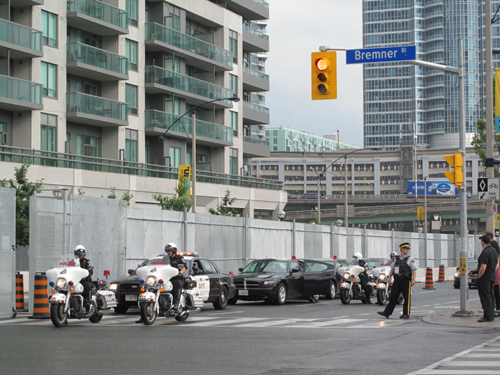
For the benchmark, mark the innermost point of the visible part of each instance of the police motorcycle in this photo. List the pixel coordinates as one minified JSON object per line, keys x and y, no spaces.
{"x":66,"y":300}
{"x":350,"y":284}
{"x":156,"y":298}
{"x":382,"y":287}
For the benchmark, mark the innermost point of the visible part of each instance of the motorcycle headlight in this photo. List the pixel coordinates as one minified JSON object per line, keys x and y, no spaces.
{"x":382,"y":277}
{"x":113,"y":287}
{"x":269,"y":283}
{"x":347,"y":276}
{"x":151,"y":281}
{"x":457,"y":274}
{"x":61,"y":283}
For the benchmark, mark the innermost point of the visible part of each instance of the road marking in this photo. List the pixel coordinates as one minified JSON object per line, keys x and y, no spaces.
{"x":380,"y":324}
{"x":328,"y":323}
{"x":474,"y":364}
{"x":265,"y":324}
{"x":223,"y":321}
{"x":479,"y":355}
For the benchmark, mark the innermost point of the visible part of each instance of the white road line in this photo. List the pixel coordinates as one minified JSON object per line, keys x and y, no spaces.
{"x":223,"y":321}
{"x":328,"y":323}
{"x":456,"y":372}
{"x":381,"y":324}
{"x":481,"y":355}
{"x":365,"y":314}
{"x":265,"y":324}
{"x":474,"y":364}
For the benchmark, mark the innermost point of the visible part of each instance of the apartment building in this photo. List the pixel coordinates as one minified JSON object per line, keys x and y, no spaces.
{"x":95,"y":83}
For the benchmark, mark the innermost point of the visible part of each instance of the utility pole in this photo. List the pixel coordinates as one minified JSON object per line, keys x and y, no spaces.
{"x":490,"y":139}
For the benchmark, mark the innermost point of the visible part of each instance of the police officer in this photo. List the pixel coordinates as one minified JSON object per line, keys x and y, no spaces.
{"x":363,"y":277}
{"x":404,"y":270}
{"x":86,"y":281}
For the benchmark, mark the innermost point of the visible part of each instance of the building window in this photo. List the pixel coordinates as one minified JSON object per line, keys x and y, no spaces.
{"x":131,"y":54}
{"x":131,"y":145}
{"x":233,"y":161}
{"x":233,"y":45}
{"x":88,"y":146}
{"x":131,"y":98}
{"x":131,"y":8}
{"x":175,"y":157}
{"x":49,"y":29}
{"x":233,"y":83}
{"x":189,"y":158}
{"x":49,"y":79}
{"x":233,"y":122}
{"x":3,"y":133}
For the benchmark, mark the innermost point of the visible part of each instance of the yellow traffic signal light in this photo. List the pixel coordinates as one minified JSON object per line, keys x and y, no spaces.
{"x":324,"y":75}
{"x":456,"y":176}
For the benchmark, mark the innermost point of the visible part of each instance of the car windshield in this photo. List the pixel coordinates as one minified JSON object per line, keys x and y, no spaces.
{"x":159,"y":259}
{"x":68,"y":261}
{"x":266,"y":266}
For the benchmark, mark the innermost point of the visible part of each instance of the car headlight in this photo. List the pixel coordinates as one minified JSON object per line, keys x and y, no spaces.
{"x":347,"y":276}
{"x":269,"y":283}
{"x":151,"y":281}
{"x":113,"y":287}
{"x":382,"y":277}
{"x":457,"y":274}
{"x":61,"y":283}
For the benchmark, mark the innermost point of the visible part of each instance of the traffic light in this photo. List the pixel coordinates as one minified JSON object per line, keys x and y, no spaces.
{"x":324,"y":75}
{"x":456,"y":176}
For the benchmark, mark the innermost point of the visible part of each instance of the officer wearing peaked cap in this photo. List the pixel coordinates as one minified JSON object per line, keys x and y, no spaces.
{"x":404,"y":270}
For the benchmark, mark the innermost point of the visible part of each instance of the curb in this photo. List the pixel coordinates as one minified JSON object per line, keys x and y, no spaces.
{"x":445,"y":318}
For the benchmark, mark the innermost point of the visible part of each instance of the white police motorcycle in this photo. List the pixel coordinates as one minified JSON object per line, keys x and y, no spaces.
{"x":156,"y":298}
{"x":350,"y":284}
{"x":66,"y":295}
{"x":382,"y":287}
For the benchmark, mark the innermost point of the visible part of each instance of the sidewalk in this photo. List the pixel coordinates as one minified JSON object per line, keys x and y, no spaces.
{"x":446,"y":318}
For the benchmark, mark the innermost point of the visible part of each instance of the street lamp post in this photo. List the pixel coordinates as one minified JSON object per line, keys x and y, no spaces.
{"x":338,"y":139}
{"x":281,"y":215}
{"x":318,"y":176}
{"x":193,"y":140}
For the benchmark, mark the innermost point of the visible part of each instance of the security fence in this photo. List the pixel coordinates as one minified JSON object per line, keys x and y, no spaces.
{"x":7,"y":255}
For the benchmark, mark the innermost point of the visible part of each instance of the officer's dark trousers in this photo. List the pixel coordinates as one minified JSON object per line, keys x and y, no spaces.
{"x":486,"y":296}
{"x":176,"y":292}
{"x":87,"y":291}
{"x":363,"y":280}
{"x":400,"y":285}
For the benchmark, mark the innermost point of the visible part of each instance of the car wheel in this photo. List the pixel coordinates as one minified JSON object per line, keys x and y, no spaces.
{"x":121,"y":309}
{"x":314,"y":299}
{"x":221,"y":302}
{"x":345,"y":296}
{"x":332,"y":291}
{"x":280,"y":294}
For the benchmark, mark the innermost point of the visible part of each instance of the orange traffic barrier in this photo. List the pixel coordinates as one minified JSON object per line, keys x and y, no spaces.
{"x":441,"y":274}
{"x":428,"y":279}
{"x":41,"y":308}
{"x":20,"y":293}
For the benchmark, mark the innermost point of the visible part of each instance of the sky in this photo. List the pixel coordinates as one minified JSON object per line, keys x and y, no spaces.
{"x":296,"y":29}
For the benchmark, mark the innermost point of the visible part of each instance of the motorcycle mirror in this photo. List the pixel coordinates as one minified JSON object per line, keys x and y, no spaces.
{"x":131,"y":272}
{"x":240,"y":269}
{"x":295,"y":270}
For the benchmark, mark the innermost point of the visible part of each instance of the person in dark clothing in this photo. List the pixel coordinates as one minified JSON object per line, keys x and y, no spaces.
{"x":496,"y":286}
{"x":363,"y":277}
{"x":404,"y":270}
{"x":487,"y":265}
{"x":86,"y":281}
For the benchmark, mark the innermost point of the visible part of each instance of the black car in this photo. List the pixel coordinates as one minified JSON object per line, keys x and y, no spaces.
{"x":471,"y":265}
{"x":213,"y":286}
{"x":277,"y":280}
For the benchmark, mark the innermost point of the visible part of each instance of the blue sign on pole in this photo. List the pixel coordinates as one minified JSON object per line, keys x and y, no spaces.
{"x":433,"y":188}
{"x":374,"y":55}
{"x":497,"y":125}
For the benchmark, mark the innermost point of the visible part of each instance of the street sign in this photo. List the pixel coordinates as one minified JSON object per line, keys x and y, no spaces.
{"x":494,"y":208}
{"x":373,"y":55}
{"x":488,"y":188}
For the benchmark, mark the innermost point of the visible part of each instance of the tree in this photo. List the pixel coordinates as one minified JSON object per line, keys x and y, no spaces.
{"x":24,"y":190}
{"x":479,"y":142}
{"x":176,"y":203}
{"x":223,"y":208}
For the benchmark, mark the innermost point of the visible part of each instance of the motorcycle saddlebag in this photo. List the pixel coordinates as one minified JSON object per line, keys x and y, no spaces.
{"x":189,"y":284}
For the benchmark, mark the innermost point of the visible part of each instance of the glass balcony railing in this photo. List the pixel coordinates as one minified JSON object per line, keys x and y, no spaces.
{"x":77,"y":52}
{"x":163,"y":120}
{"x":255,"y":32}
{"x":174,"y":38}
{"x":262,"y":2}
{"x":101,"y":11}
{"x":256,"y":107}
{"x":256,"y":73}
{"x":18,"y":89}
{"x":188,"y":84}
{"x":20,"y":35}
{"x":95,"y":105}
{"x":256,"y":141}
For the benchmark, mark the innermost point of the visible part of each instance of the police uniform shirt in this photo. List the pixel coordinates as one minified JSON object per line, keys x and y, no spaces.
{"x":177,"y":260}
{"x":409,"y":261}
{"x":85,"y":264}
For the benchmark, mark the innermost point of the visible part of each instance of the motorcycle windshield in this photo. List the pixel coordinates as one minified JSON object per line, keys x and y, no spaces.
{"x":157,"y":260}
{"x":66,"y":261}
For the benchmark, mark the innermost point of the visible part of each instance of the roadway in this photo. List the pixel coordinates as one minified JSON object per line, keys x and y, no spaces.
{"x":254,"y":339}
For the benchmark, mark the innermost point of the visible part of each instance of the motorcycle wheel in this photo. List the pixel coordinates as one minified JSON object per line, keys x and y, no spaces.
{"x":182,"y":317}
{"x":400,"y":299}
{"x":221,"y":302}
{"x":121,"y":309}
{"x":96,"y":318}
{"x":332,"y":291}
{"x":314,"y":299}
{"x":280,"y":295}
{"x":345,"y":296}
{"x":381,"y":297}
{"x":57,"y":315}
{"x":148,"y":313}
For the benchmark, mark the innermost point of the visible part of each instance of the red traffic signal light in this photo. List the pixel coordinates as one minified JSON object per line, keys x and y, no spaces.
{"x":324,"y":75}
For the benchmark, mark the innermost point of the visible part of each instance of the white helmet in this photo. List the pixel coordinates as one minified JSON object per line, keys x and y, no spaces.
{"x":79,"y":250}
{"x":393,"y":254}
{"x":358,"y":256}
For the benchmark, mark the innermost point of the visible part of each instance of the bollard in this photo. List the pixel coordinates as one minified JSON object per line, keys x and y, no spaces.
{"x":441,"y":274}
{"x":20,"y":293}
{"x":41,"y":308}
{"x":428,"y":279}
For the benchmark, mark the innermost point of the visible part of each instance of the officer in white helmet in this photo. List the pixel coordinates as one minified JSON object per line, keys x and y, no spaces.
{"x":363,"y":276}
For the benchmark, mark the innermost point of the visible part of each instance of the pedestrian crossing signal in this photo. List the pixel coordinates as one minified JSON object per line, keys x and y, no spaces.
{"x":324,"y":75}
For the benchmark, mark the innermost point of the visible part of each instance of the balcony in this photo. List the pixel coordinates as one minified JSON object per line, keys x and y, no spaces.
{"x":250,"y":9}
{"x":26,"y":3}
{"x":254,"y":41}
{"x":254,"y":114}
{"x":95,"y":111}
{"x":196,"y":52}
{"x":255,"y":81}
{"x":255,"y":148}
{"x":20,"y":95}
{"x":160,"y":80}
{"x":94,"y":63}
{"x":23,"y":42}
{"x":97,"y":17}
{"x":207,"y":133}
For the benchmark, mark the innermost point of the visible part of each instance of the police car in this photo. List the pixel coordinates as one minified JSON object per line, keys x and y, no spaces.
{"x":212,"y":286}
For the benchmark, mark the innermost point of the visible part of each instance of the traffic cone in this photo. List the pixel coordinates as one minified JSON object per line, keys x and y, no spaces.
{"x":20,"y":293}
{"x":441,"y":274}
{"x":428,"y":280}
{"x":41,"y":308}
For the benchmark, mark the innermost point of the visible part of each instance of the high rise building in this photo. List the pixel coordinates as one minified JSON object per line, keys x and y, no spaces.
{"x":407,"y":104}
{"x":100,"y":81}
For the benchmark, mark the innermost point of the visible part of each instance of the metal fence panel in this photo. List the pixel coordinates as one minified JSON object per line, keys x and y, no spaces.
{"x":7,"y":255}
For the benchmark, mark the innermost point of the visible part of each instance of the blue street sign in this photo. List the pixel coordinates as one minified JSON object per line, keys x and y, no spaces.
{"x":374,"y":55}
{"x":497,"y":125}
